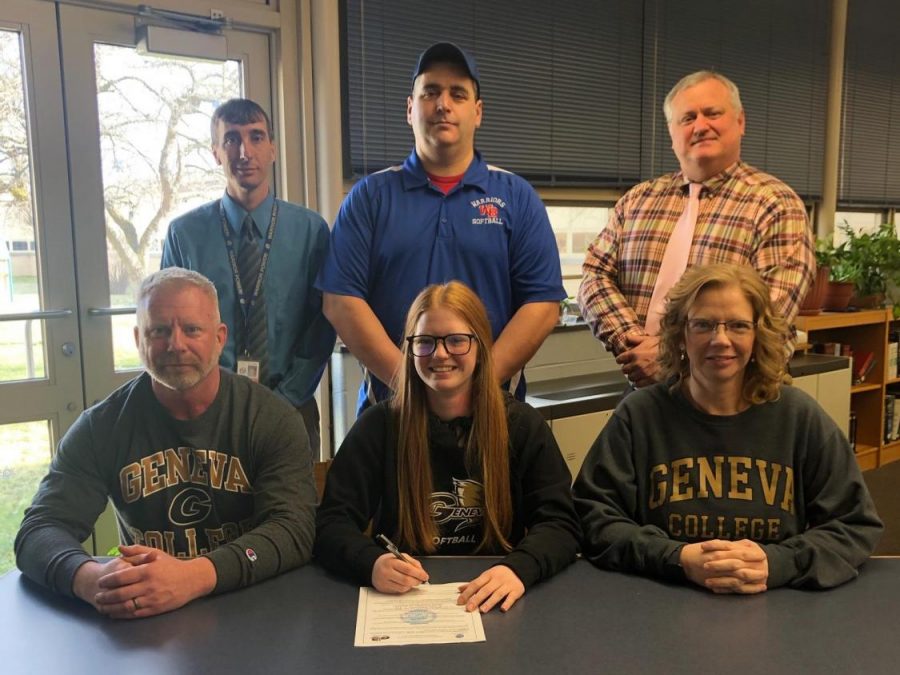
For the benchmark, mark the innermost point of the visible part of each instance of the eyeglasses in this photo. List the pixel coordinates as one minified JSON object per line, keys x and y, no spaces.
{"x":733,"y":326}
{"x":456,"y":344}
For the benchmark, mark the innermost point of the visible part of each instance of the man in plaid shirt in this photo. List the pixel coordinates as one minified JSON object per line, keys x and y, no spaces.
{"x":745,"y":216}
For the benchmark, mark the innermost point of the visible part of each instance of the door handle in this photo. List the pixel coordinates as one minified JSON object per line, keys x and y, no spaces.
{"x":46,"y":314}
{"x":110,"y":311}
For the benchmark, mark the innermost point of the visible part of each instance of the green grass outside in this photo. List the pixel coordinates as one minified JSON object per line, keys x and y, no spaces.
{"x":125,"y":354}
{"x":25,"y":285}
{"x":13,"y":334}
{"x":25,"y":447}
{"x":12,"y":339}
{"x":24,"y":458}
{"x":12,"y":359}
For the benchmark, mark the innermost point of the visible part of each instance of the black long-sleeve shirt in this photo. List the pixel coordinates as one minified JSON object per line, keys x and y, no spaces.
{"x":362,"y":486}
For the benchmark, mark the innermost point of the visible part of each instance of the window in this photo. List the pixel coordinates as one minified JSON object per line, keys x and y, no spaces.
{"x":24,"y":458}
{"x":573,"y":91}
{"x":775,"y":52}
{"x":858,"y":221}
{"x":154,"y":116}
{"x":561,"y":83}
{"x":21,"y":342}
{"x":869,"y":173}
{"x":575,"y":228}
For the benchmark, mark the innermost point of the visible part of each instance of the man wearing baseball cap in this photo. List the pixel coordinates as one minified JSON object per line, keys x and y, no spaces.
{"x":443,"y":214}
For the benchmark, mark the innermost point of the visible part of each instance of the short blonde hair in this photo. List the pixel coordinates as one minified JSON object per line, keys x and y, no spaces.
{"x":695,"y":79}
{"x":767,"y":369}
{"x":177,"y":277}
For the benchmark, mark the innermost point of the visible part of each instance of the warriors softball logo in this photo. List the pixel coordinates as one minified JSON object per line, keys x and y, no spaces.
{"x":464,"y":505}
{"x":488,"y":211}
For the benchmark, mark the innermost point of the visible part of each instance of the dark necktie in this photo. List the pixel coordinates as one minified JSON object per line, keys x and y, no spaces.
{"x":254,"y":328}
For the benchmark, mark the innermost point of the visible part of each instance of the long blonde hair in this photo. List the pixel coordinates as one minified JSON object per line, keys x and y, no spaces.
{"x":767,"y":369}
{"x":487,"y":447}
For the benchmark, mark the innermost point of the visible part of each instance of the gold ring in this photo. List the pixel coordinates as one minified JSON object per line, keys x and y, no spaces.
{"x":136,"y":605}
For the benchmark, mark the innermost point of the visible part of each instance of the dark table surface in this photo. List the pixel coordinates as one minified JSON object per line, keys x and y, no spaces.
{"x":582,"y":621}
{"x":884,"y":486}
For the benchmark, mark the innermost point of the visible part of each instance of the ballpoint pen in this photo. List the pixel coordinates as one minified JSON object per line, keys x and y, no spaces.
{"x":392,"y":548}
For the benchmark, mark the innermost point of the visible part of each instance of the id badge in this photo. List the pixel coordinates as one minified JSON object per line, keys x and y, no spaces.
{"x":248,"y":368}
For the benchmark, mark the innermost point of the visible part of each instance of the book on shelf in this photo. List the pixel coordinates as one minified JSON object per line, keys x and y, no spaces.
{"x":892,"y":359}
{"x":863,"y":364}
{"x":892,"y":432}
{"x":889,"y":400}
{"x":895,"y":426}
{"x":851,"y":431}
{"x":893,"y":366}
{"x":829,"y":348}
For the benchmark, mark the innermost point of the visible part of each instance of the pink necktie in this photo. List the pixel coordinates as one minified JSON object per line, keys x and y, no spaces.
{"x":674,"y":259}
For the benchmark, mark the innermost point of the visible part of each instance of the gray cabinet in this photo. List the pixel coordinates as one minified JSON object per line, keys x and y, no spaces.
{"x":832,"y":391}
{"x":575,"y":436}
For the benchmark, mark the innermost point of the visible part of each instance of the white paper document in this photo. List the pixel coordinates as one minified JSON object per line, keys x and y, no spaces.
{"x":427,"y":614}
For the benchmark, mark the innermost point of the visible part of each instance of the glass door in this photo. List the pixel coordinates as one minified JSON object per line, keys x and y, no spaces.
{"x":96,"y":158}
{"x":140,"y":154}
{"x":139,"y":149}
{"x":40,"y":364}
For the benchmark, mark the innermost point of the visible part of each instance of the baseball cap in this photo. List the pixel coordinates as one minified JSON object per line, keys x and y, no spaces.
{"x":447,"y":52}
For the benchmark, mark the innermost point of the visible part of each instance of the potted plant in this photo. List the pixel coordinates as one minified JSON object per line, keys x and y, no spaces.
{"x":839,"y":288}
{"x":870,"y":261}
{"x":818,"y":290}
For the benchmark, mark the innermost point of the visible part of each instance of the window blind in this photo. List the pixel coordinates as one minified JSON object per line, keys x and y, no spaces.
{"x":560,"y":83}
{"x":869,"y":170}
{"x":775,"y":52}
{"x":573,"y":90}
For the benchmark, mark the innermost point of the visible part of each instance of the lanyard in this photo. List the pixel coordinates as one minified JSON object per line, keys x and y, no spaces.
{"x":246,"y":302}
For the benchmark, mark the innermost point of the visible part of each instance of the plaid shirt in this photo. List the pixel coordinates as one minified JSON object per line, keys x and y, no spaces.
{"x":746,"y":217}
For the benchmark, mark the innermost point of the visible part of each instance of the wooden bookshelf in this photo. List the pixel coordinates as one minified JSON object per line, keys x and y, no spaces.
{"x":865,"y":331}
{"x":890,"y":452}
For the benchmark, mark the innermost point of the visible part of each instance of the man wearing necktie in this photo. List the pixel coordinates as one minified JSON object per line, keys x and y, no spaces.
{"x":714,"y":209}
{"x":253,"y":350}
{"x":263,"y":255}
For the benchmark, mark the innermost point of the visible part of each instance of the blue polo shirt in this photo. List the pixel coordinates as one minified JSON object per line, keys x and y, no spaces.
{"x":300,"y":339}
{"x":396,"y":233}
